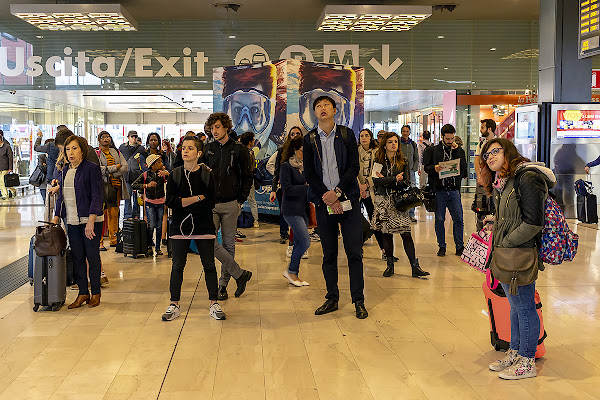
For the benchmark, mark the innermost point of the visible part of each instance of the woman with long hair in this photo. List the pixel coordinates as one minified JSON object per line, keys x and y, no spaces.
{"x":295,"y":131}
{"x":169,"y":154}
{"x":520,"y":189}
{"x":366,"y":156}
{"x":388,"y":220}
{"x":294,"y":205}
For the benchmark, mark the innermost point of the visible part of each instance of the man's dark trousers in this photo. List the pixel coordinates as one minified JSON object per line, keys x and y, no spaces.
{"x":351,"y":227}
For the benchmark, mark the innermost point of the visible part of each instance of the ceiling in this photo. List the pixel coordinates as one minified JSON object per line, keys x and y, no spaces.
{"x":294,"y":10}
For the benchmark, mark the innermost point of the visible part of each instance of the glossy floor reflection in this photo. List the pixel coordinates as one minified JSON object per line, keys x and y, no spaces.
{"x":424,"y":339}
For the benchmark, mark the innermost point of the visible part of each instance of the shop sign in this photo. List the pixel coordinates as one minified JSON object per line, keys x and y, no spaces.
{"x":185,"y":64}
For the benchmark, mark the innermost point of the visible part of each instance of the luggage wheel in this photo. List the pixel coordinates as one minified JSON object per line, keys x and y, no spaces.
{"x":56,"y":307}
{"x":36,"y":307}
{"x":31,"y":282}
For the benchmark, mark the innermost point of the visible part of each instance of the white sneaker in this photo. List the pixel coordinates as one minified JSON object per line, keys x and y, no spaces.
{"x":522,"y":368}
{"x":305,"y":255}
{"x":288,"y":252}
{"x":171,"y":313}
{"x":217,"y":312}
{"x":509,"y":358}
{"x":256,"y":224}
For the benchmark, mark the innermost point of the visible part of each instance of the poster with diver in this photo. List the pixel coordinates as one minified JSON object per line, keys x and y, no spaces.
{"x":271,"y":97}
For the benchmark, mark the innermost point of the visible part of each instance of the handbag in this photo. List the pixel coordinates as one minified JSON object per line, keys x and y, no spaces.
{"x":38,"y":177}
{"x":312,"y":216}
{"x":110,"y":194}
{"x":477,"y":250}
{"x":429,"y":199}
{"x":515,"y":266}
{"x":407,"y":198}
{"x":11,"y":180}
{"x":50,"y":240}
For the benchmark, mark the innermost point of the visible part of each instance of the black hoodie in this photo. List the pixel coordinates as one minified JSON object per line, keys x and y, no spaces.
{"x":230,"y":165}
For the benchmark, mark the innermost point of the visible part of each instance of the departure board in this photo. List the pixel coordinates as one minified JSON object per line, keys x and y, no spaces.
{"x":589,"y":28}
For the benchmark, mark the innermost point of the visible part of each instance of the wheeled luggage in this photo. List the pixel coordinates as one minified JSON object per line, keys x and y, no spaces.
{"x":50,"y":281}
{"x":587,"y":209}
{"x":135,"y":237}
{"x":499,"y":313}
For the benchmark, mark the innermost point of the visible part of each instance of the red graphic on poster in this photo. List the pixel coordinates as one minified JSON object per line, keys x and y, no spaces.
{"x":578,"y":123}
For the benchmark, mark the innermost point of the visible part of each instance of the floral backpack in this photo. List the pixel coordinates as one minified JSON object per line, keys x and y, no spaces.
{"x":557,"y":243}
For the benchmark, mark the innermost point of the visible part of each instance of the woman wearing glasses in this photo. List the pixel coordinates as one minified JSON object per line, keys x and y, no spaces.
{"x":520,"y":189}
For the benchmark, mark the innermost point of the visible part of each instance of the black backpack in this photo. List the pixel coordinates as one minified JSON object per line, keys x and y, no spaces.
{"x":262,"y":177}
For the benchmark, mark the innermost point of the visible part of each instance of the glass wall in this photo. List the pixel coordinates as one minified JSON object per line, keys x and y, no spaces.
{"x":21,"y":118}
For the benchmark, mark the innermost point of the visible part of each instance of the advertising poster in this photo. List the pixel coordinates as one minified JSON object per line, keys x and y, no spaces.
{"x":578,"y":124}
{"x":269,"y":98}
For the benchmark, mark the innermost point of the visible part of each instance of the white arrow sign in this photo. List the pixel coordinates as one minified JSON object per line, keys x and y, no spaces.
{"x":385,"y":69}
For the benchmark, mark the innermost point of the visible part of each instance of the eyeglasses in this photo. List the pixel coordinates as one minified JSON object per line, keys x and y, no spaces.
{"x":134,"y":136}
{"x":493,"y":152}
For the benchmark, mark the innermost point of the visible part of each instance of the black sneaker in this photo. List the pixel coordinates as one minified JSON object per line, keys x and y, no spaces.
{"x":241,"y":282}
{"x":239,"y":235}
{"x":159,"y":253}
{"x":283,"y":239}
{"x":441,"y":252}
{"x":222,"y":293}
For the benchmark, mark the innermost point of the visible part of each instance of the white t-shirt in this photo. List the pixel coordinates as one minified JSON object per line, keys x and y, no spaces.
{"x":478,"y":148}
{"x":71,"y":201}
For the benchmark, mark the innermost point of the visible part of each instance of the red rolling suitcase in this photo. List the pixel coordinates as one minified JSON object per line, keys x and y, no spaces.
{"x":499,"y":313}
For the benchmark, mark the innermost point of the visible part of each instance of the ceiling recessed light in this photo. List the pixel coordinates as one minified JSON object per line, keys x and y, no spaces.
{"x":445,"y":67}
{"x":493,"y":49}
{"x":39,"y":36}
{"x":368,"y":18}
{"x":440,"y":37}
{"x":231,"y":36}
{"x":75,"y":17}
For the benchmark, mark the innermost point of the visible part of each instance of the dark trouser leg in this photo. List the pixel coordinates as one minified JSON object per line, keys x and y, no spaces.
{"x":283,"y":225}
{"x":351,"y":226}
{"x":409,"y":246}
{"x":368,"y":202}
{"x":180,"y":249}
{"x":456,"y":212}
{"x":206,"y":247}
{"x":76,"y":235}
{"x":388,"y":244}
{"x":440,"y":217}
{"x":328,"y":231}
{"x":92,"y":252}
{"x":160,"y":211}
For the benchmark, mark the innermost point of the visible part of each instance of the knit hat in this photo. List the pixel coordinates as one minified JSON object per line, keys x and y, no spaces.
{"x":152,"y":159}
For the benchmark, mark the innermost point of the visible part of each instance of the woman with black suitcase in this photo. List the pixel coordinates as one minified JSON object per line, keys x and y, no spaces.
{"x":79,"y":204}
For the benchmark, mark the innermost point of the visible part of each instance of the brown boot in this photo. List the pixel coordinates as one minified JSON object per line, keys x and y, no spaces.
{"x":94,"y":301}
{"x":82,"y":298}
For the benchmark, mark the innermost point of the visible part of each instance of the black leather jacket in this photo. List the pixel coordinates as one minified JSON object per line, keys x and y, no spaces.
{"x":387,"y":185}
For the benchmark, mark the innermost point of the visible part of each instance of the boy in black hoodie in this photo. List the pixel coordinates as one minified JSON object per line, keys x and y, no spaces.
{"x":191,"y":196}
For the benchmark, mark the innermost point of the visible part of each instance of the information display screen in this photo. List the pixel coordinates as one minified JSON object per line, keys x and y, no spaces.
{"x":589,"y":28}
{"x":526,"y":125}
{"x":578,"y":124}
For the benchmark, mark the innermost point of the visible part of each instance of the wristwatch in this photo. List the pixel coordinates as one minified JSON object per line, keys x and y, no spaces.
{"x":199,"y":199}
{"x":338,"y":192}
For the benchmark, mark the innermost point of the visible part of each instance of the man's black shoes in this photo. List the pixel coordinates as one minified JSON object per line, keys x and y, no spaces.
{"x":241,"y":282}
{"x":441,"y":252}
{"x":222,"y":293}
{"x":327,"y":307}
{"x":361,"y":311}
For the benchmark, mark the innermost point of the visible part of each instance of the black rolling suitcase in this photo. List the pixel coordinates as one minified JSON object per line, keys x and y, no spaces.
{"x":50,"y":281}
{"x":135,"y":237}
{"x":587,"y":209}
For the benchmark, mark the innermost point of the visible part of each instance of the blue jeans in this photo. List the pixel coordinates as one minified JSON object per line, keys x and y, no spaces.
{"x":299,"y":225}
{"x":154,"y":214}
{"x":524,"y":320}
{"x":451,"y":201}
{"x":130,"y":212}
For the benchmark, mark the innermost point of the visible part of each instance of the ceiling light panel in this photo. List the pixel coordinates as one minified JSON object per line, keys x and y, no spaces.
{"x":75,"y":17}
{"x":369,"y":18}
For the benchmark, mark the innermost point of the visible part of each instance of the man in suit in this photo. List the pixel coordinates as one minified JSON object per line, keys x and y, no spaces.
{"x":331,"y":168}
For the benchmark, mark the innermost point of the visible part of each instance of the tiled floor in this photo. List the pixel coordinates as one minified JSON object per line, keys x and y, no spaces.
{"x":424,"y":339}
